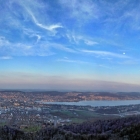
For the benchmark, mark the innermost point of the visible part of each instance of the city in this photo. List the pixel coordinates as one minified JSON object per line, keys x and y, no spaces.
{"x":22,"y":110}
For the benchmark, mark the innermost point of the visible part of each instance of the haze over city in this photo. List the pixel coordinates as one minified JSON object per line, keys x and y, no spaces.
{"x":84,"y":45}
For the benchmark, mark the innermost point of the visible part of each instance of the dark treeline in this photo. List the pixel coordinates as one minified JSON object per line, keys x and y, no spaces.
{"x":104,"y":126}
{"x":117,"y":129}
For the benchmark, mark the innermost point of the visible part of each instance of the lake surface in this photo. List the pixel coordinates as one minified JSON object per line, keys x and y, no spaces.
{"x":98,"y":103}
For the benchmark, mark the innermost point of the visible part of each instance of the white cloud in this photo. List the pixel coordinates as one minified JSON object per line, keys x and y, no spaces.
{"x":72,"y":61}
{"x":104,"y":53}
{"x":120,"y":14}
{"x":65,"y":57}
{"x":28,"y":49}
{"x":6,"y":57}
{"x":38,"y":37}
{"x":77,"y":39}
{"x":52,"y":27}
{"x":60,"y":47}
{"x":129,"y":62}
{"x":3,"y":41}
{"x":80,"y":10}
{"x":104,"y":66}
{"x":90,"y":43}
{"x":31,"y":11}
{"x":86,"y":40}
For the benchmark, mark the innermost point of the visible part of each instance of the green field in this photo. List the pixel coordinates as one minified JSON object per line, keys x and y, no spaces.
{"x":77,"y":116}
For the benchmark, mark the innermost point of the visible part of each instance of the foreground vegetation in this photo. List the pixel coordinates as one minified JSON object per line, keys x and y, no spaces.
{"x":117,"y":129}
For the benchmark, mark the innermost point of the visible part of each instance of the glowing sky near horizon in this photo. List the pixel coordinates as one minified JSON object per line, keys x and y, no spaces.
{"x":90,"y":45}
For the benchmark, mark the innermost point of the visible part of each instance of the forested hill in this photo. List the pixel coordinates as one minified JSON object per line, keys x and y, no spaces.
{"x":117,"y":129}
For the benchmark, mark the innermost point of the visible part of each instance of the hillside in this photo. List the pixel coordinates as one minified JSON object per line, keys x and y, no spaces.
{"x":117,"y":129}
{"x":67,"y":96}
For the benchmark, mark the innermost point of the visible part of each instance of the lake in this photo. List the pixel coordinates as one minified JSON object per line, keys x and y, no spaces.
{"x":98,"y":103}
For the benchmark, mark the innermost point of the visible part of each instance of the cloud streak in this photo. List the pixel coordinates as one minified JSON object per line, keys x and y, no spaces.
{"x":6,"y":57}
{"x":80,"y":10}
{"x":72,"y":61}
{"x":104,"y":53}
{"x":51,"y":28}
{"x":22,"y":49}
{"x":79,"y":39}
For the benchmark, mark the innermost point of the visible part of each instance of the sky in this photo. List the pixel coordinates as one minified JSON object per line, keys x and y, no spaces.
{"x":82,"y":45}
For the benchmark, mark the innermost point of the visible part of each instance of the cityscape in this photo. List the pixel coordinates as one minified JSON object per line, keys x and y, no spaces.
{"x":28,"y":114}
{"x":20,"y":109}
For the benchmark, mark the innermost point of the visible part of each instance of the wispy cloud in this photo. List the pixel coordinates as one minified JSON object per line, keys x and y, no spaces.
{"x":44,"y":48}
{"x":33,"y":33}
{"x":90,"y":43}
{"x":80,"y":10}
{"x":49,"y":28}
{"x":114,"y":15}
{"x":120,"y":15}
{"x":28,"y":12}
{"x":72,"y":61}
{"x":130,"y":62}
{"x":77,"y":39}
{"x":59,"y":47}
{"x":104,"y":66}
{"x":104,"y":53}
{"x":6,"y":57}
{"x":3,"y":41}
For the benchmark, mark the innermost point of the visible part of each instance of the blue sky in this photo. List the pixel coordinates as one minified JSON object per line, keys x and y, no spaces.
{"x":90,"y":45}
